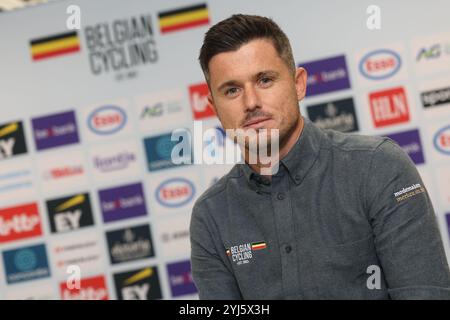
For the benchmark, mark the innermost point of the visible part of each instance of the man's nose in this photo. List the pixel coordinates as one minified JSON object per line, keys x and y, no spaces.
{"x":251,"y":98}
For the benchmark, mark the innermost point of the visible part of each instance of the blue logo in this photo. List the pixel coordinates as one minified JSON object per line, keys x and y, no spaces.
{"x":26,"y":264}
{"x":107,"y":120}
{"x":162,"y":152}
{"x":175,"y":192}
{"x":380,"y":64}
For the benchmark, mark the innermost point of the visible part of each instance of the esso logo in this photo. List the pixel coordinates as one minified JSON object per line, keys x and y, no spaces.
{"x":107,"y":120}
{"x":442,"y":140}
{"x":380,"y":64}
{"x":175,"y":192}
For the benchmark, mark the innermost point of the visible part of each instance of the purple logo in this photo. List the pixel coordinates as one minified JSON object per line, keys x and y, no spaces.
{"x":326,"y":75}
{"x":180,"y":278}
{"x":55,"y":130}
{"x":411,"y":144}
{"x":122,"y":202}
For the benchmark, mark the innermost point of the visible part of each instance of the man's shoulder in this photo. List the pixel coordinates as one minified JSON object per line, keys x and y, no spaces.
{"x":354,"y":142}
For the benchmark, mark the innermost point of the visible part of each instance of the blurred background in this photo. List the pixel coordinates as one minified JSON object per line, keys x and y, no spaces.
{"x":91,"y":90}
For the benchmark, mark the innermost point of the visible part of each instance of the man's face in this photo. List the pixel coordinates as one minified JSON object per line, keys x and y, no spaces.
{"x":252,"y":87}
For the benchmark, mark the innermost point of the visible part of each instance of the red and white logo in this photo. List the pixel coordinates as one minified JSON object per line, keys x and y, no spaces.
{"x":389,"y":107}
{"x":175,"y":192}
{"x":19,"y":222}
{"x":89,"y":289}
{"x":63,"y":172}
{"x":201,"y":108}
{"x":107,"y":119}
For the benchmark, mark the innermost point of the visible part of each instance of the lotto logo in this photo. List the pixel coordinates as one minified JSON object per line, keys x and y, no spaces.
{"x":90,"y":289}
{"x":199,"y":102}
{"x":19,"y":222}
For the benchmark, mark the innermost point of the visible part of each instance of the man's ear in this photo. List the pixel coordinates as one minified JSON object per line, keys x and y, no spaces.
{"x":211,"y":102}
{"x":300,"y":82}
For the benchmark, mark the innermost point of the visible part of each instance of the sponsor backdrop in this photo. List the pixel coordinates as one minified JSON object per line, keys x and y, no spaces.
{"x":86,"y":120}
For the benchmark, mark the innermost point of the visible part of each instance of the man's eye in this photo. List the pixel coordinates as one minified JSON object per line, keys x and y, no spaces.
{"x":265,"y":81}
{"x":231,"y":91}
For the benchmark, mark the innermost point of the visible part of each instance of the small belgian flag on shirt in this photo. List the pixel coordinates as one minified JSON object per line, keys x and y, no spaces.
{"x":259,"y":245}
{"x":54,"y":45}
{"x":183,"y":18}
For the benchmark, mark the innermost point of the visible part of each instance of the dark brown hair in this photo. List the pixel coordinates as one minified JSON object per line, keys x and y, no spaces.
{"x":230,"y":34}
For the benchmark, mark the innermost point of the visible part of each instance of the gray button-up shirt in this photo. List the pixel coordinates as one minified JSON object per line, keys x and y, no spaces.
{"x":345,"y":217}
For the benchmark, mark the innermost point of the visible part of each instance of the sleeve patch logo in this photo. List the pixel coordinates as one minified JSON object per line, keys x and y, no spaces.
{"x":408,"y":192}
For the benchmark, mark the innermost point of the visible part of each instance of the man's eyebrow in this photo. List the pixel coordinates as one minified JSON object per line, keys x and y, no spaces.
{"x":255,"y":77}
{"x":227,"y":84}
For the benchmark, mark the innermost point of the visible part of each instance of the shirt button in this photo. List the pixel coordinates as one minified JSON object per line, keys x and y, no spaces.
{"x":280,"y":196}
{"x":288,"y":249}
{"x":297,"y":177}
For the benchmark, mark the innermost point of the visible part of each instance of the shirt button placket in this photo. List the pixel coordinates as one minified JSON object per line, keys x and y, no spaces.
{"x":285,"y":230}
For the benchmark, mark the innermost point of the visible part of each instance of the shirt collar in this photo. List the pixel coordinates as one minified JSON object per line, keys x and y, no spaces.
{"x":299,"y":159}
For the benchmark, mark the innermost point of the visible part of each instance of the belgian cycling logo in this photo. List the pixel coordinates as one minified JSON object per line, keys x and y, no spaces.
{"x":243,"y":253}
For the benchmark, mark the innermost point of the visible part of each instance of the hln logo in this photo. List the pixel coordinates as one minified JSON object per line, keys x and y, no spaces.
{"x":389,"y":107}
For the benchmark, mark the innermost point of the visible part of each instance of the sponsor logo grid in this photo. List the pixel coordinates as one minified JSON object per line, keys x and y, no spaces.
{"x":126,"y":226}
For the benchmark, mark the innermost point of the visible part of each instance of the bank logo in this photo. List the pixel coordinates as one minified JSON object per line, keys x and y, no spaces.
{"x":198,"y":96}
{"x":180,"y":278}
{"x":54,"y":45}
{"x":19,"y":222}
{"x":243,"y":253}
{"x":410,"y":142}
{"x":175,"y":192}
{"x":12,"y":140}
{"x":380,"y":64}
{"x":183,"y":18}
{"x":389,"y":107}
{"x":122,"y":202}
{"x":130,"y":244}
{"x":107,"y":120}
{"x":55,"y":130}
{"x":437,"y":97}
{"x":93,"y":288}
{"x":25,"y":264}
{"x":70,"y":213}
{"x":160,"y":149}
{"x":441,"y":140}
{"x":142,"y":284}
{"x":326,"y":75}
{"x":337,"y":115}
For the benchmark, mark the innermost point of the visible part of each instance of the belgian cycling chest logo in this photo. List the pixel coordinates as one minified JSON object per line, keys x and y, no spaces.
{"x":243,"y":253}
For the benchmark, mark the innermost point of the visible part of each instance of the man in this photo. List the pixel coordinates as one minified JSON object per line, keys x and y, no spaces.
{"x":344,"y":216}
